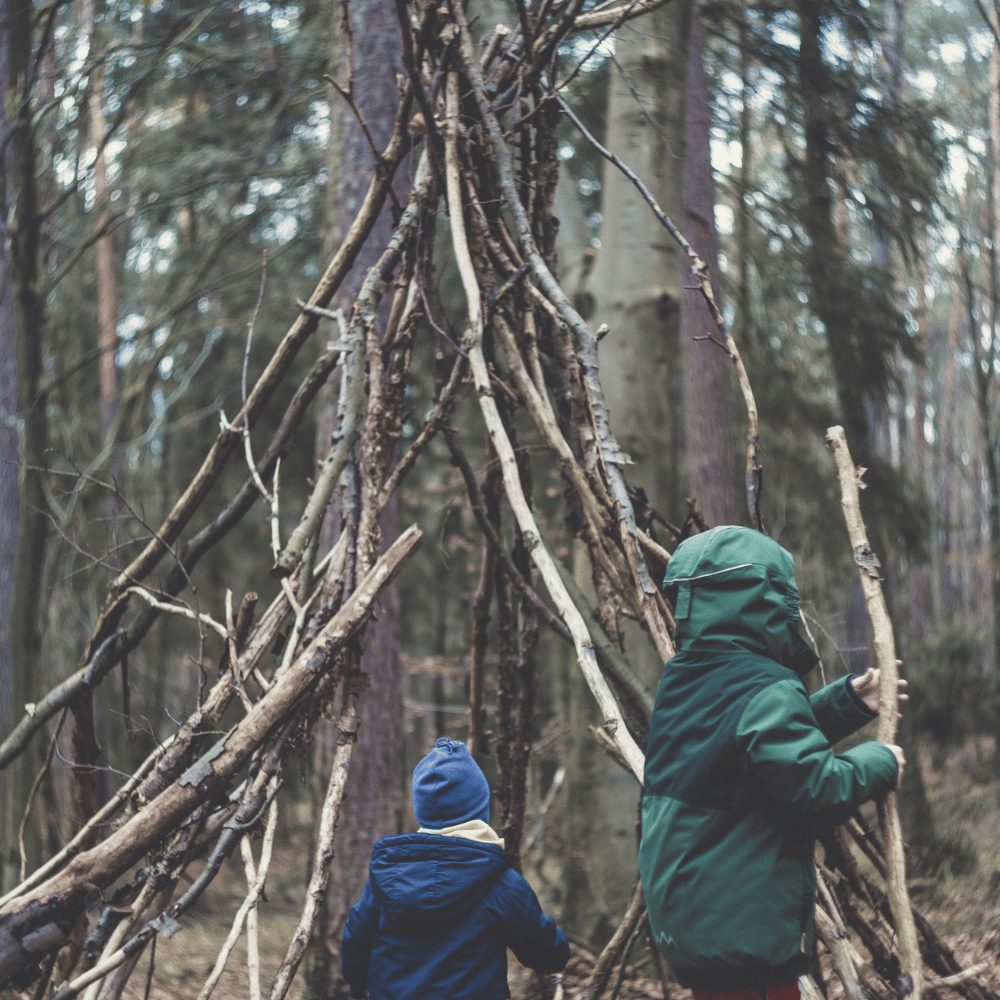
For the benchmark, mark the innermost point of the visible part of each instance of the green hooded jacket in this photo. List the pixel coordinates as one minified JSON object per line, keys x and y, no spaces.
{"x":740,"y":771}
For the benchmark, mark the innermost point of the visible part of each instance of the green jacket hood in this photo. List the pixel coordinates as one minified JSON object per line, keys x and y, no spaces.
{"x":735,"y":587}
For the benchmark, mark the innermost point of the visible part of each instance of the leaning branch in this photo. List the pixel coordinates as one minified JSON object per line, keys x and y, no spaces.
{"x":32,"y":925}
{"x":613,"y":722}
{"x":885,"y":654}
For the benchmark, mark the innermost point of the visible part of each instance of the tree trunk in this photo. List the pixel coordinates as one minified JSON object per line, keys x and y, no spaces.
{"x":11,"y":783}
{"x":986,"y":373}
{"x":710,"y":458}
{"x":374,"y":784}
{"x":104,"y":250}
{"x":637,"y":274}
{"x":831,"y":297}
{"x":637,"y":289}
{"x":24,"y":249}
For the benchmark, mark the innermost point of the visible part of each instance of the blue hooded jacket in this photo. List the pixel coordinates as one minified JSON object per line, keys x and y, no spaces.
{"x":436,"y":918}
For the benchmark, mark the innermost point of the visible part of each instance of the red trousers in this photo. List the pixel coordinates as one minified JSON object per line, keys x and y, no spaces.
{"x":776,"y":991}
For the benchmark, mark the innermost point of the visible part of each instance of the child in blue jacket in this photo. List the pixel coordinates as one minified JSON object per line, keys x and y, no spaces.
{"x":442,"y":905}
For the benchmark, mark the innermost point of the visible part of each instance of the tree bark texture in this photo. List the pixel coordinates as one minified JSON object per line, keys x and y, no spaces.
{"x":637,"y":275}
{"x":709,"y":456}
{"x":11,"y":783}
{"x":24,"y":262}
{"x":987,"y":392}
{"x":364,"y":54}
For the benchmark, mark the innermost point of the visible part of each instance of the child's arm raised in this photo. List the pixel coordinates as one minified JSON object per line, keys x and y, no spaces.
{"x":791,"y":756}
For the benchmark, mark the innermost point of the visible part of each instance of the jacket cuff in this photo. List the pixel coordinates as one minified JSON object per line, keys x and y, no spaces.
{"x":878,"y":766}
{"x":838,"y":710}
{"x":859,"y":702}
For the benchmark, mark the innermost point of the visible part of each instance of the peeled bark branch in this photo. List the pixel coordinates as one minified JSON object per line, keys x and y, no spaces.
{"x":885,"y":654}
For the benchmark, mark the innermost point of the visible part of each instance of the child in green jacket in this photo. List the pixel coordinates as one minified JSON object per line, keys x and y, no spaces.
{"x":740,"y":771}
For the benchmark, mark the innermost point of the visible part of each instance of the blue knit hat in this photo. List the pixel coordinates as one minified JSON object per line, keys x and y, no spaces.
{"x":449,"y":788}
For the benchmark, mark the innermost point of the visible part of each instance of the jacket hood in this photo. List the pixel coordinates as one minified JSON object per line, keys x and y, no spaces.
{"x":427,"y":877}
{"x":735,"y":587}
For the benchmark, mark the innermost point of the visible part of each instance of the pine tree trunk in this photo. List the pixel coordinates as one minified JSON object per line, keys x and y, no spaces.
{"x":11,"y":781}
{"x":988,"y":391}
{"x":709,"y":454}
{"x":374,"y":785}
{"x":24,"y":247}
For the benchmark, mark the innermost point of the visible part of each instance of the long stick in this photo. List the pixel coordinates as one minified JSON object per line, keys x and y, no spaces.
{"x":885,"y":656}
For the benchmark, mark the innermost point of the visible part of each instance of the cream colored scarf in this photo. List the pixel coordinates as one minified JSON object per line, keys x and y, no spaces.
{"x":474,"y":829}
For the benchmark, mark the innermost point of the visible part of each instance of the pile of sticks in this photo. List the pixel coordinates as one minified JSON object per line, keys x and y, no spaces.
{"x":485,"y":152}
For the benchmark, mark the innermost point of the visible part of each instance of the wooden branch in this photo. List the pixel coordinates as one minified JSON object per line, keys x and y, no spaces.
{"x":958,"y":978}
{"x":255,"y":889}
{"x":353,"y":394}
{"x":617,"y":14}
{"x":323,"y":854}
{"x":611,"y":454}
{"x":59,"y":697}
{"x":182,"y":612}
{"x":832,"y":933}
{"x":615,"y":950}
{"x":443,"y":406}
{"x":352,"y":402}
{"x":885,"y":656}
{"x":103,"y":815}
{"x":246,"y":816}
{"x":481,"y":601}
{"x":612,"y":718}
{"x":33,"y":924}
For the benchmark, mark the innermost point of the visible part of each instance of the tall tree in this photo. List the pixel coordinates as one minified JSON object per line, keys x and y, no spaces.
{"x":636,"y":279}
{"x":636,"y":284}
{"x":106,"y":269}
{"x":10,"y":787}
{"x":709,"y":456}
{"x":986,"y":350}
{"x":23,"y":258}
{"x":365,"y":48}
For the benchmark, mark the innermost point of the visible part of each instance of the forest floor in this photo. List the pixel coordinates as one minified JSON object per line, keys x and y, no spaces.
{"x":961,"y":898}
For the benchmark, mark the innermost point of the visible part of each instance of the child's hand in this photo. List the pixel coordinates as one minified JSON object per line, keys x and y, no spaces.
{"x":866,"y":687}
